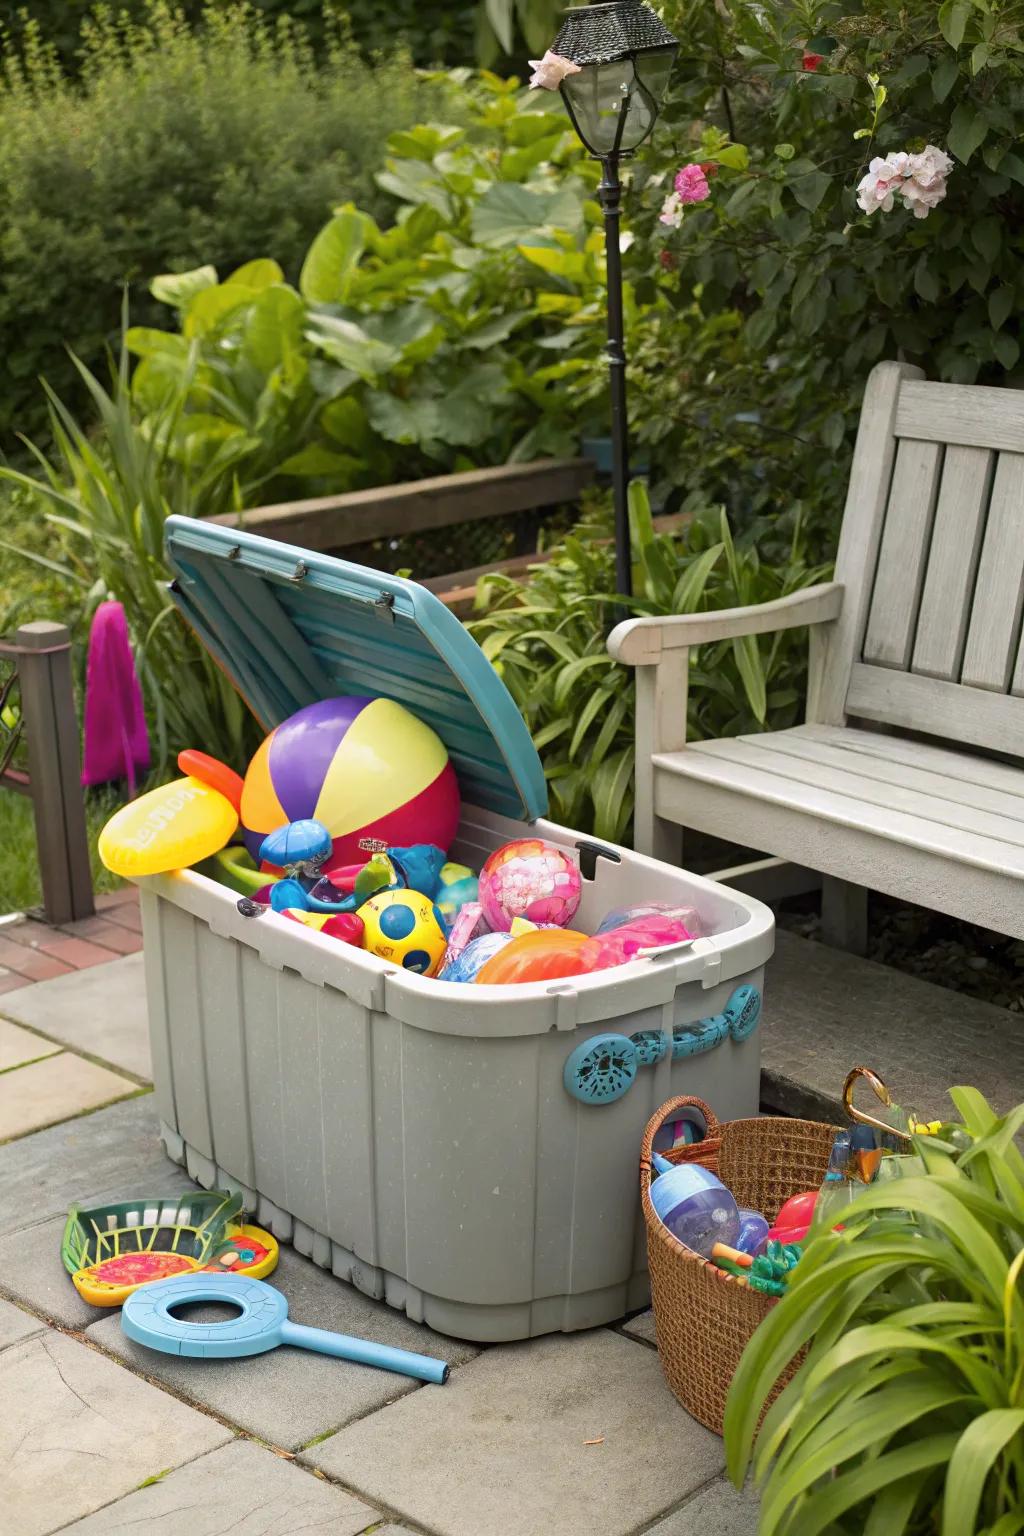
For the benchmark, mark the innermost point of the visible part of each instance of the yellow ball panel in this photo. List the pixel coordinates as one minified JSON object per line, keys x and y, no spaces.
{"x":386,"y":758}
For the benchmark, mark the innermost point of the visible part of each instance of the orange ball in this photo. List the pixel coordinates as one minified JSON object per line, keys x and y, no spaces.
{"x":544,"y":955}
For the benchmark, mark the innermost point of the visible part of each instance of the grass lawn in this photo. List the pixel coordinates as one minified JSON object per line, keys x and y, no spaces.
{"x":19,"y":865}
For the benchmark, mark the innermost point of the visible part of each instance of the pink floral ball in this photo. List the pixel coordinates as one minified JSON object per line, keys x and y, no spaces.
{"x":531,"y":879}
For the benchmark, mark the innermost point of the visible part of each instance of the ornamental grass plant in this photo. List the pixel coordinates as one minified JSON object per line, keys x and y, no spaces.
{"x":906,"y":1417}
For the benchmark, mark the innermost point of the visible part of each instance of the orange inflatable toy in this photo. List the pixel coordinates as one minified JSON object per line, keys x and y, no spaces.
{"x":211,"y":771}
{"x":544,"y":955}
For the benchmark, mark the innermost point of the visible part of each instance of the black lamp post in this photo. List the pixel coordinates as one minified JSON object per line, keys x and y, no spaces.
{"x":624,"y":55}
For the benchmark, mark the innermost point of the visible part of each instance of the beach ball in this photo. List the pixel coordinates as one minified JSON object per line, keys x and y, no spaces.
{"x":405,"y":927}
{"x":531,"y":879}
{"x":365,"y":768}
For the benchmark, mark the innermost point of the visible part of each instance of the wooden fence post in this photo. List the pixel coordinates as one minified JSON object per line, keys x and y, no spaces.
{"x":54,"y":766}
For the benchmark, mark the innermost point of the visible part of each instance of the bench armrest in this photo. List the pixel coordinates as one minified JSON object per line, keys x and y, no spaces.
{"x":643,"y":642}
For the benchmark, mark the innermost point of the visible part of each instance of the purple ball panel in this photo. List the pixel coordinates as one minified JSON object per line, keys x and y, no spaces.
{"x":303,"y":749}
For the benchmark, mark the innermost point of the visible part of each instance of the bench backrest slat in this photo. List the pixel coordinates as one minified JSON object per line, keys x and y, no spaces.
{"x":932,"y":559}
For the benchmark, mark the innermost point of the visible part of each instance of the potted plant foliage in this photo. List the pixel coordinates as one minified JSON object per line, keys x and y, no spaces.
{"x":907,"y":1413}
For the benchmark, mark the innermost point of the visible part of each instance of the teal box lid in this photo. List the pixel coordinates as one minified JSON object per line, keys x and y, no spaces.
{"x":290,"y":627}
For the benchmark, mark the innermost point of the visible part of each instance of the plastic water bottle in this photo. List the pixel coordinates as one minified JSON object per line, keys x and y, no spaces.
{"x":694,"y":1205}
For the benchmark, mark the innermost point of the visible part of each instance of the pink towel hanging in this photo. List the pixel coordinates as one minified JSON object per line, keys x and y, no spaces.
{"x":116,"y":744}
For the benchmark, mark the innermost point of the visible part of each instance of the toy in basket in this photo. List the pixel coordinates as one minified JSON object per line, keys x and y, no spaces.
{"x":709,"y":1298}
{"x":704,"y":1315}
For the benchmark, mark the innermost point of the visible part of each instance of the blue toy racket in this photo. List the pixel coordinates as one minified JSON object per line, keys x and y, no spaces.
{"x":262,"y":1324}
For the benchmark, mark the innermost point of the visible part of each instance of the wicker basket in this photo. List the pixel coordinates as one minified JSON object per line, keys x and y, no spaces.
{"x":704,"y":1317}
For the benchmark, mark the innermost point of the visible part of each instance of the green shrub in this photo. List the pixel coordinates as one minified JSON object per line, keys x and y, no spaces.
{"x":108,"y":501}
{"x":176,"y":147}
{"x":468,"y":333}
{"x":807,"y":289}
{"x":547,"y":638}
{"x":433,"y":32}
{"x":905,"y":1418}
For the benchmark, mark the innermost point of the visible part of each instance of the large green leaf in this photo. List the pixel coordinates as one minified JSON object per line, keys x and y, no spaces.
{"x":978,"y":1449}
{"x":273,"y":327}
{"x":509,"y":213}
{"x":177,"y":288}
{"x":405,"y":421}
{"x":257,"y":275}
{"x":332,"y":259}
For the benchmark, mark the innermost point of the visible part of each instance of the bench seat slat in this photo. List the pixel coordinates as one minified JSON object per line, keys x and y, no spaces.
{"x":972,"y":774}
{"x":932,"y":797}
{"x":727,"y":765}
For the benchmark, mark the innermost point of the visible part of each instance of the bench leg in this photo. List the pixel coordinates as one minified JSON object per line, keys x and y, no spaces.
{"x":658,"y":838}
{"x":844,"y":915}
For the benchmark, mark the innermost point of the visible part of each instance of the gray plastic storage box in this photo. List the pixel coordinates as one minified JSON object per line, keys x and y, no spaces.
{"x":467,"y":1153}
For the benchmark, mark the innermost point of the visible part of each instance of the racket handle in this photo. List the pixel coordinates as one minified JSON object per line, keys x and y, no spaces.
{"x":365,"y":1352}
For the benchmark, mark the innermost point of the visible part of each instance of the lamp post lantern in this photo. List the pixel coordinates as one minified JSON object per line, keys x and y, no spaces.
{"x":623,"y":55}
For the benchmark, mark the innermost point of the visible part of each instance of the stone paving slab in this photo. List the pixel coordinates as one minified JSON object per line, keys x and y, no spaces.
{"x":101,"y":1011}
{"x":112,"y":1154}
{"x":242,"y":1488}
{"x":16,"y":1325}
{"x":825,"y":1011}
{"x":52,"y":1090}
{"x":640,"y":1327}
{"x":17,"y":1046}
{"x":77,"y":1432}
{"x":718,"y":1510}
{"x":290,"y":1396}
{"x":500,"y":1450}
{"x":31,"y":1270}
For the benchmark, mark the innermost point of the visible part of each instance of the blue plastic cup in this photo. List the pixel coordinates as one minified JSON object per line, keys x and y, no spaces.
{"x":696,"y":1207}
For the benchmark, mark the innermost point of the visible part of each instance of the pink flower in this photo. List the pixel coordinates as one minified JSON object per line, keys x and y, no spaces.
{"x":550,"y":71}
{"x":810,"y":62}
{"x":920,"y":180}
{"x":692,"y":184}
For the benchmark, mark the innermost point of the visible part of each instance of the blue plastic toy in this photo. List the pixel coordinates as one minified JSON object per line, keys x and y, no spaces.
{"x":694,"y":1205}
{"x":147,"y":1317}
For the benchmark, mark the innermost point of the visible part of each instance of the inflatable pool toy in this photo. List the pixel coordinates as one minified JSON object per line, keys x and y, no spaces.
{"x":528,"y":878}
{"x":545,"y":955}
{"x":465,"y":966}
{"x":172,"y":827}
{"x":209,"y":770}
{"x":365,"y":768}
{"x":346,"y":926}
{"x":688,"y":916}
{"x":406,"y":927}
{"x":458,"y":887}
{"x":233,"y":867}
{"x":112,"y":1250}
{"x":149,"y":1317}
{"x":618,"y":946}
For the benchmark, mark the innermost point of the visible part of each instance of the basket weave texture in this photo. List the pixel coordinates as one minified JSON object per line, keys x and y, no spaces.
{"x":704,"y":1317}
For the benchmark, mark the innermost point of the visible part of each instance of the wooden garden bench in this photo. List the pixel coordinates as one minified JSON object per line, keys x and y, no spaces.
{"x":907,"y":776}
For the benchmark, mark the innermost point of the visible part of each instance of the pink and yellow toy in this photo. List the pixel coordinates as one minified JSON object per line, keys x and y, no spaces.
{"x":531,"y":879}
{"x":364,"y":768}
